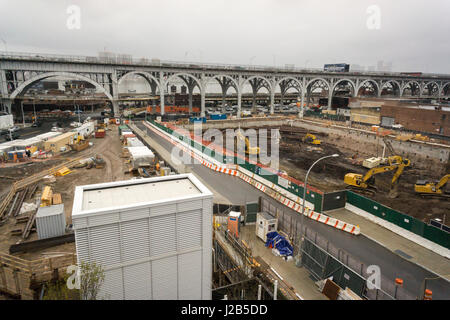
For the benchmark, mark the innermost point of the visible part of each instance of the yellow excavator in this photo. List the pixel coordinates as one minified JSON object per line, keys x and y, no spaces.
{"x":432,"y":188}
{"x":310,"y":138}
{"x":249,"y":150}
{"x":363,"y":183}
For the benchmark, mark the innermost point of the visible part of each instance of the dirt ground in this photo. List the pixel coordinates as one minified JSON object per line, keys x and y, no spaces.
{"x":109,"y":148}
{"x":296,"y":157}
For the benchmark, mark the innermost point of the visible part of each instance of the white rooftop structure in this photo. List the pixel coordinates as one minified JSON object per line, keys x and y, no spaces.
{"x":153,"y":236}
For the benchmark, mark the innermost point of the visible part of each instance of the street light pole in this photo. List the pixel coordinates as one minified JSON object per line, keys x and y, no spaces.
{"x":302,"y":227}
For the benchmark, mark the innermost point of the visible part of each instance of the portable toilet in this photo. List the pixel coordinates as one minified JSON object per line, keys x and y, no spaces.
{"x":234,"y":218}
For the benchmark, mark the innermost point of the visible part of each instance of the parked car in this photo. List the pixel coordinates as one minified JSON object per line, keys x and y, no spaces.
{"x":12,"y":136}
{"x":14,"y":129}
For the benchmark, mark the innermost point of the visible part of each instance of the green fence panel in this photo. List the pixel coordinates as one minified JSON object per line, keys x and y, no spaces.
{"x":400,"y":219}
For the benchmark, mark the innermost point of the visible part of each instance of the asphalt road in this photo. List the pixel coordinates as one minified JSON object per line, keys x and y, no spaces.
{"x":359,"y":247}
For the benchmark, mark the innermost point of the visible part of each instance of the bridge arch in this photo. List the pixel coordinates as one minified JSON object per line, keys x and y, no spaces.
{"x":392,"y":83}
{"x":256,"y":77}
{"x":443,"y":88}
{"x":408,"y":85}
{"x":353,"y":85}
{"x":69,"y":75}
{"x":175,"y":75}
{"x":317,"y":79}
{"x":290,"y":78}
{"x":426,"y":85}
{"x":235,"y":83}
{"x":147,"y":76}
{"x":372,"y":82}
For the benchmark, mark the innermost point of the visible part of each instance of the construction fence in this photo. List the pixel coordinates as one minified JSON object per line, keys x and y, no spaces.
{"x":326,"y":201}
{"x":324,"y":260}
{"x":402,"y":220}
{"x":270,"y":175}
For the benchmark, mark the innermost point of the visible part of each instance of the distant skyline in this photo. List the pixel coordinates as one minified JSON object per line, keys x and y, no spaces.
{"x":405,"y":35}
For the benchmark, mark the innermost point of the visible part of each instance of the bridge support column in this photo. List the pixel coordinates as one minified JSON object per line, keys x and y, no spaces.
{"x":330,"y":99}
{"x":202,"y":106}
{"x":161,"y":96}
{"x":239,"y":102}
{"x":302,"y":101}
{"x":115,"y":107}
{"x":7,"y":105}
{"x":272,"y":100}
{"x":162,"y":87}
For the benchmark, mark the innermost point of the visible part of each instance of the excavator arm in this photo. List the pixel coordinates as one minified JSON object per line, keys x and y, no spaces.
{"x":360,"y":181}
{"x":443,"y":181}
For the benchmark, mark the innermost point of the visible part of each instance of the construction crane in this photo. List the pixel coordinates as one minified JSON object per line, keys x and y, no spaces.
{"x":310,"y":138}
{"x":432,"y":188}
{"x":249,"y":150}
{"x":359,"y":182}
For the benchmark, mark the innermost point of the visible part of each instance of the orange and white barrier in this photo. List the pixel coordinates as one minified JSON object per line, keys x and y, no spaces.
{"x":285,"y":199}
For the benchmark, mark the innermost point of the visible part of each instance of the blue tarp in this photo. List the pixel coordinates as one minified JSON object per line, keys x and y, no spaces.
{"x":277,"y":241}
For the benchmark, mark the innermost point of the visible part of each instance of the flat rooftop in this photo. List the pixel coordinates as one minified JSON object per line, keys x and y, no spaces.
{"x":137,"y":193}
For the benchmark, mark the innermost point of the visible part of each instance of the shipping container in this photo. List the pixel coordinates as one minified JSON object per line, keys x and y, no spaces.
{"x":100,"y":133}
{"x":141,"y":157}
{"x":64,"y":140}
{"x":222,"y":116}
{"x":152,"y":236}
{"x":197,"y":119}
{"x":123,"y":128}
{"x":50,"y":221}
{"x":134,"y":142}
{"x":6,"y":122}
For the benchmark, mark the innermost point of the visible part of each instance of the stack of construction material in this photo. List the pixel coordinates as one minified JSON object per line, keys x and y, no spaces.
{"x":47,"y":197}
{"x":141,"y":157}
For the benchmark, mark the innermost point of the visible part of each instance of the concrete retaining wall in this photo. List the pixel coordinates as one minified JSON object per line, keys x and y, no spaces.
{"x":423,"y":155}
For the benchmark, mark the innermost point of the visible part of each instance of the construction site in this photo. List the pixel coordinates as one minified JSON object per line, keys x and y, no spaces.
{"x":381,"y":166}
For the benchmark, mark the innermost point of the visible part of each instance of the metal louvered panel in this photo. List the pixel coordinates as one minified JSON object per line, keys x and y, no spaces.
{"x":104,"y":244}
{"x":137,"y":281}
{"x":134,"y":236}
{"x":190,"y":276}
{"x":164,"y":279}
{"x":207,"y":222}
{"x":134,"y":214}
{"x":79,"y":223}
{"x":165,"y":209}
{"x":154,"y":250}
{"x":162,"y":235}
{"x":82,"y":245}
{"x":189,"y":229}
{"x":189,"y":205}
{"x":103,"y":219}
{"x":112,"y":288}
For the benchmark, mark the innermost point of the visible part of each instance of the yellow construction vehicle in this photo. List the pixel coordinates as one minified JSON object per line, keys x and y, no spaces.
{"x":249,"y":150}
{"x":310,"y":138}
{"x":432,"y":188}
{"x":359,"y":182}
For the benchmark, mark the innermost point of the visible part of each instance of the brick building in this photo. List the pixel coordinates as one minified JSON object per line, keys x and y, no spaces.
{"x":429,"y":119}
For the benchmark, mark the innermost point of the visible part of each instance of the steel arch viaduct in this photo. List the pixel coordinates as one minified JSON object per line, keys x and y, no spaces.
{"x":18,"y":71}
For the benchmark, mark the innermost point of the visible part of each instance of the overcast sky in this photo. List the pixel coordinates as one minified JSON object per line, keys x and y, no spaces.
{"x":413,"y":34}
